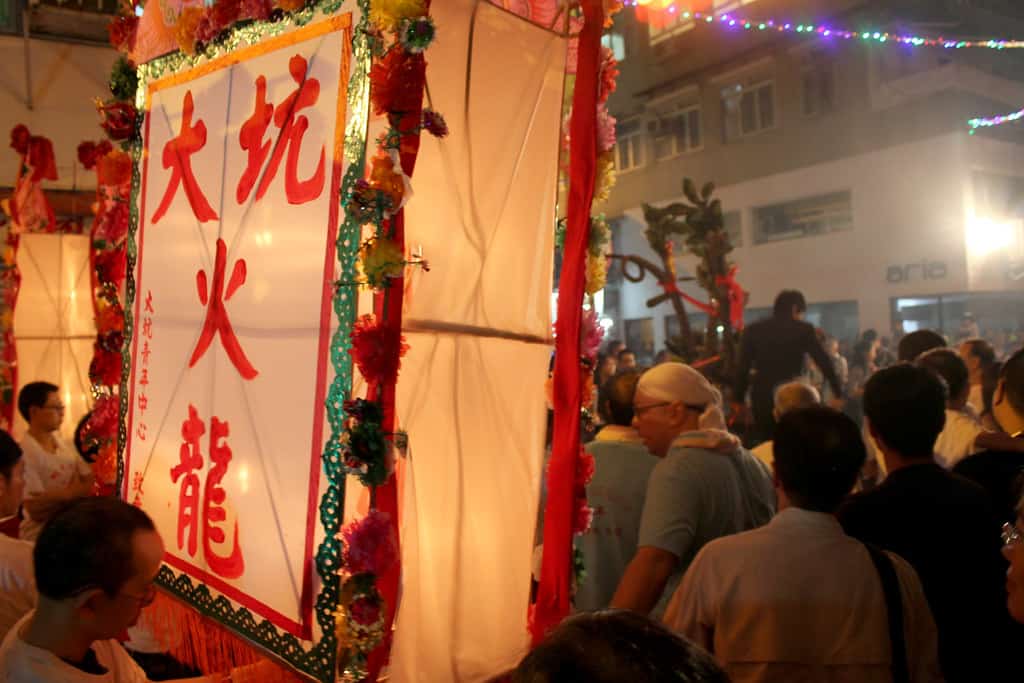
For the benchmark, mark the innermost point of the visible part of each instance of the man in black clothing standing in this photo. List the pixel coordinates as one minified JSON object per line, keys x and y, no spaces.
{"x":1000,"y":472}
{"x":941,"y":523}
{"x":774,"y":348}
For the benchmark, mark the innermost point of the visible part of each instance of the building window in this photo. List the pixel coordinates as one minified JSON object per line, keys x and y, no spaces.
{"x":676,"y":131}
{"x":733,"y":224}
{"x":629,"y":146}
{"x":803,"y":218}
{"x":747,"y":109}
{"x":819,"y":89}
{"x":616,"y":42}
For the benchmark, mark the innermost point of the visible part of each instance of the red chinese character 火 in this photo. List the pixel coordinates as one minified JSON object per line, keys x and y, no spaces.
{"x":217,"y":315}
{"x":177,"y":155}
{"x":190,"y":460}
{"x":292,"y":129}
{"x":230,"y":566}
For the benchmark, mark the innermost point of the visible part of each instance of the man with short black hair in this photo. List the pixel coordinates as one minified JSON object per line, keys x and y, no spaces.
{"x":622,"y":466}
{"x":17,"y":584}
{"x":95,"y":562}
{"x":798,"y":599}
{"x":914,"y":344}
{"x":942,"y":524}
{"x":625,"y":361}
{"x":775,"y":349}
{"x":54,"y":472}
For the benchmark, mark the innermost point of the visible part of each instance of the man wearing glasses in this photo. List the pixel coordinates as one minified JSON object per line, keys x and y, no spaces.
{"x":54,"y":473}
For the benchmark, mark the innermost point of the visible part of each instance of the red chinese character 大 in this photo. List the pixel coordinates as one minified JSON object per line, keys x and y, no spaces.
{"x":149,"y":302}
{"x":292,"y":128}
{"x":211,"y":513}
{"x":217,"y":315}
{"x":177,"y":155}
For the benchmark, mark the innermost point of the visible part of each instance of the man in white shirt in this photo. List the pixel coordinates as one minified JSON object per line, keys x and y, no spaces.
{"x":798,"y":600}
{"x":54,"y":472}
{"x":95,"y":563}
{"x":17,"y":584}
{"x":788,"y":397}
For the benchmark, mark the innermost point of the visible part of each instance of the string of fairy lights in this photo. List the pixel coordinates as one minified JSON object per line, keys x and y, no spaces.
{"x":734,"y":22}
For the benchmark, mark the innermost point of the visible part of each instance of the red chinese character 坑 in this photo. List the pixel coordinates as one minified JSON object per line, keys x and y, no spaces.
{"x":217,"y":315}
{"x":177,"y":156}
{"x":292,"y":128}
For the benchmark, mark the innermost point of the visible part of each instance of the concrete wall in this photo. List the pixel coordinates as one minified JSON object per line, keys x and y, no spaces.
{"x":65,"y":79}
{"x":910,"y":204}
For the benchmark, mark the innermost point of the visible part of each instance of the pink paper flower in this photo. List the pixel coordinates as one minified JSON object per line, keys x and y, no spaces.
{"x":584,"y":516}
{"x":605,"y":129}
{"x":591,"y":334}
{"x":370,"y":545}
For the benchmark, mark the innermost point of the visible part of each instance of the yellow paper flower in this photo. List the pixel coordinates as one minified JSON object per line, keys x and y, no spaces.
{"x":388,"y":14}
{"x":384,"y":178}
{"x":605,"y":180}
{"x":381,"y":260}
{"x":597,"y":273}
{"x":185,"y":29}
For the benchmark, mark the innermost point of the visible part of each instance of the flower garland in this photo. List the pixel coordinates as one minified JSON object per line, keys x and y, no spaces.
{"x":400,"y":33}
{"x":108,"y":259}
{"x":10,"y":283}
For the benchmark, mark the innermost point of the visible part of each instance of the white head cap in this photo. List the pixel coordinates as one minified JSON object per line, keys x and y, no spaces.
{"x":679,"y":382}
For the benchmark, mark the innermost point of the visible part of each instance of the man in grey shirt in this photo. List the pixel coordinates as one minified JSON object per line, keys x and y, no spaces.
{"x":622,"y":467}
{"x":704,"y":486}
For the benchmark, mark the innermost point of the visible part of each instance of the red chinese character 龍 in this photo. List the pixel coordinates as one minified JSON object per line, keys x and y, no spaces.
{"x":177,"y":155}
{"x":217,"y":315}
{"x":190,"y":461}
{"x":212,"y":512}
{"x":292,"y":128}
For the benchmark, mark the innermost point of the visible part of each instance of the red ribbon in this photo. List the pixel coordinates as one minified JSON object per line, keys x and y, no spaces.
{"x":556,"y":569}
{"x":737,"y":297}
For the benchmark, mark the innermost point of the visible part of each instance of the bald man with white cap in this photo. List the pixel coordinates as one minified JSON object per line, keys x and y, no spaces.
{"x":704,"y":486}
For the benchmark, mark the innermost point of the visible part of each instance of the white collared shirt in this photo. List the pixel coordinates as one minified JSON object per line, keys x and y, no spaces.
{"x":799,"y":601}
{"x":17,"y":582}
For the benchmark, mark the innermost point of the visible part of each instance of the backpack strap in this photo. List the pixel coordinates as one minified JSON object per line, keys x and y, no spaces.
{"x":894,"y":608}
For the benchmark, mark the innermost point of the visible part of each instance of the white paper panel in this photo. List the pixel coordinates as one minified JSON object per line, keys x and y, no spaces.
{"x":280,"y":315}
{"x":54,"y":325}
{"x":475,"y":413}
{"x":483,"y":209}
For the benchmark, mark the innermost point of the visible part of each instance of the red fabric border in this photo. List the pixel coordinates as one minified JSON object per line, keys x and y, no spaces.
{"x":556,"y":570}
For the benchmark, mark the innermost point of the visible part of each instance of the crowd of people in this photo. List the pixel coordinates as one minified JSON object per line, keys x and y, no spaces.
{"x":870,"y":532}
{"x":874,"y":531}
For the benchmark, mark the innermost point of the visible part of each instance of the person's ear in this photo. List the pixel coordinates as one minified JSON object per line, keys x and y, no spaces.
{"x":88,"y":602}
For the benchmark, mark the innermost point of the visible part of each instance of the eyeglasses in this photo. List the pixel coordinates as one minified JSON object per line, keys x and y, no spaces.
{"x":1011,"y":535}
{"x":146,"y":599}
{"x":640,"y":410}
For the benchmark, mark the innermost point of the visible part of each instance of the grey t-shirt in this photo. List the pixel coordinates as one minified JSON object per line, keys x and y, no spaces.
{"x":622,"y":469}
{"x":695,"y":496}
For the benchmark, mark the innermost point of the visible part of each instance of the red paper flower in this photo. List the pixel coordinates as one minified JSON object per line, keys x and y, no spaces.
{"x":396,"y":82}
{"x":111,"y":341}
{"x":91,"y":152}
{"x":434,"y":123}
{"x":112,"y":224}
{"x":609,"y":73}
{"x":104,"y":419}
{"x":370,"y":544}
{"x":583,"y":517}
{"x":110,"y":317}
{"x":117,"y":119}
{"x":377,"y":349}
{"x":20,"y":138}
{"x":256,"y":9}
{"x":224,"y":14}
{"x":114,"y":168}
{"x":365,"y":610}
{"x":122,"y":32}
{"x":105,"y":368}
{"x":111,"y":266}
{"x":584,"y":469}
{"x":206,"y":29}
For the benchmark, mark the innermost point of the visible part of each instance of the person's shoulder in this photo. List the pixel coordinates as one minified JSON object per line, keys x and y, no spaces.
{"x":22,"y":663}
{"x":16,"y":555}
{"x":862,"y":506}
{"x":989,"y":461}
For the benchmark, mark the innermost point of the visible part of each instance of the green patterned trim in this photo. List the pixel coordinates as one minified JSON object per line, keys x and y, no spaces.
{"x":319,"y":661}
